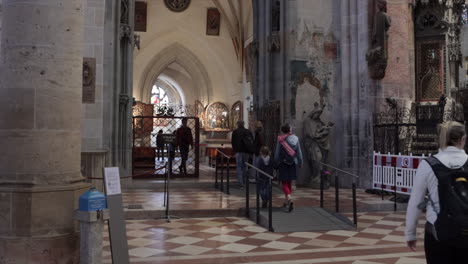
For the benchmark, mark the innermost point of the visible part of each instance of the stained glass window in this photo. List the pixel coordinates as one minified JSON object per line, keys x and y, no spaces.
{"x":159,"y":96}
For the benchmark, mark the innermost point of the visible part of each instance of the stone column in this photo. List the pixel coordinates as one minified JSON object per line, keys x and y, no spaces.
{"x":40,"y":106}
{"x":354,"y":149}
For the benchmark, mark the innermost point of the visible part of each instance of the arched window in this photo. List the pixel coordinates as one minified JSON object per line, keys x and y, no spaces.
{"x":159,"y":96}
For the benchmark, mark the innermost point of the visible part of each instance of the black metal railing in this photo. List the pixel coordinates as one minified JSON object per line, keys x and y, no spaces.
{"x":337,"y":189}
{"x":222,"y":163}
{"x":270,"y":195}
{"x":166,"y":192}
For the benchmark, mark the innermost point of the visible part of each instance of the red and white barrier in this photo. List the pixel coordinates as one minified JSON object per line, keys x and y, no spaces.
{"x":392,"y":172}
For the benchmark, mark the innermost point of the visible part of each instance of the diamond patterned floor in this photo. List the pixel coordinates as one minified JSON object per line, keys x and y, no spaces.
{"x":379,"y":239}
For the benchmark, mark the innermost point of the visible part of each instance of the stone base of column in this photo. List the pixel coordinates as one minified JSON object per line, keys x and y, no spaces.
{"x":38,"y":224}
{"x":61,"y":249}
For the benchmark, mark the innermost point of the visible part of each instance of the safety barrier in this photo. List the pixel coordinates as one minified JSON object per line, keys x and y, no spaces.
{"x":395,"y":172}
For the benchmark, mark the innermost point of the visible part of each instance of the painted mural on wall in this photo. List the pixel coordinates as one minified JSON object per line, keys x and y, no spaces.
{"x":311,"y":84}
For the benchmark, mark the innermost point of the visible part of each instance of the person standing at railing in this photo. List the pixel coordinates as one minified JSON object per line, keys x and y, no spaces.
{"x":445,"y":238}
{"x":243,"y":145}
{"x":259,"y":142}
{"x":184,"y":142}
{"x":264,"y":163}
{"x":160,"y":145}
{"x":288,"y":156}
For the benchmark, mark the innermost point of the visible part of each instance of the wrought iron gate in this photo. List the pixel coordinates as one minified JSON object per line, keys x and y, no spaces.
{"x":149,"y":160}
{"x":411,"y":130}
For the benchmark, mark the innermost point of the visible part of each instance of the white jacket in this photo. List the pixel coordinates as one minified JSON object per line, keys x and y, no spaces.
{"x":425,"y":180}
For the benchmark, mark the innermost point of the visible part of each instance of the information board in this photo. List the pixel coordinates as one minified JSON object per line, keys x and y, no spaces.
{"x":169,"y":138}
{"x":112,"y":180}
{"x":117,"y":228}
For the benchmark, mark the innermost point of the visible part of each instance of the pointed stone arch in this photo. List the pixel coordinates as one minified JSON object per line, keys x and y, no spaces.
{"x":184,"y":57}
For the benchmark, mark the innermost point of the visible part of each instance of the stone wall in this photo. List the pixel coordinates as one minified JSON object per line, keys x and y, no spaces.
{"x":0,"y":18}
{"x":94,"y":154}
{"x":313,"y":36}
{"x":210,"y":60}
{"x":92,"y":113}
{"x":464,"y":45}
{"x":399,"y":80}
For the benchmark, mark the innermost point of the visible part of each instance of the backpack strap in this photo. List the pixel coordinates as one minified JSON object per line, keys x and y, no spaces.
{"x":465,"y":167}
{"x":433,"y":161}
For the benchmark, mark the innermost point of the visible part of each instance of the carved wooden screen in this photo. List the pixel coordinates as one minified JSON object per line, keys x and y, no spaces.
{"x":140,"y":129}
{"x":236,"y":114}
{"x":429,"y":69}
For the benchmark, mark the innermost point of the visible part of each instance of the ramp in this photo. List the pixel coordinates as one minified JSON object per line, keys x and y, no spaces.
{"x":303,"y":219}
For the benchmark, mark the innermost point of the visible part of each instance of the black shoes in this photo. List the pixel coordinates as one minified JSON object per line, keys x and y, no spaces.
{"x":264,"y":204}
{"x":290,"y":206}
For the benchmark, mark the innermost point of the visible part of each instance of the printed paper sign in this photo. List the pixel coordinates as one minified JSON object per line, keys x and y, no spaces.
{"x":112,"y":180}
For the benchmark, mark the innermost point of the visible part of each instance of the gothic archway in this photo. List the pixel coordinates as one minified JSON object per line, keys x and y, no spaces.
{"x":185,"y":58}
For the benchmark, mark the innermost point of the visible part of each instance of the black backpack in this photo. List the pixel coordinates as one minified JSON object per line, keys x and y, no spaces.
{"x":248,"y":142}
{"x":452,"y":221}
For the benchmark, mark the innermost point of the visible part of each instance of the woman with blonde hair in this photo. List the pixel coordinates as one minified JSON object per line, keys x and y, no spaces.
{"x":434,"y":178}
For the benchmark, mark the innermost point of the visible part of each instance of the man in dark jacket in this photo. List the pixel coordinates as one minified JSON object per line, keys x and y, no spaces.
{"x":160,"y":145}
{"x":242,"y":144}
{"x":184,"y":140}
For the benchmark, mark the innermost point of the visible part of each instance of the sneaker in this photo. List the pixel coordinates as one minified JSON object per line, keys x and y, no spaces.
{"x":290,"y":206}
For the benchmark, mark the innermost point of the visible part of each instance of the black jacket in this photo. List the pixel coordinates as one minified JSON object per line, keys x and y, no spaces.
{"x":239,"y":137}
{"x":258,"y":141}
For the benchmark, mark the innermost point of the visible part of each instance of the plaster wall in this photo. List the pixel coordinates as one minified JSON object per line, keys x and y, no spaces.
{"x":188,"y":29}
{"x":92,"y":113}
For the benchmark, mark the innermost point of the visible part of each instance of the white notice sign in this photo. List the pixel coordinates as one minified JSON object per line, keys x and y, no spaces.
{"x":112,"y":180}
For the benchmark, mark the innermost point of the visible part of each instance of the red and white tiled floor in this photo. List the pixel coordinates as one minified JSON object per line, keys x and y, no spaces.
{"x":378,"y":239}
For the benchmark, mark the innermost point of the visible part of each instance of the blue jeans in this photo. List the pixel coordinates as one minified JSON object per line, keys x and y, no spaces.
{"x":241,"y":159}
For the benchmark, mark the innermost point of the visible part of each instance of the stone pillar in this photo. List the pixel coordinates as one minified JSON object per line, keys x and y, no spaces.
{"x":40,"y":107}
{"x":355,"y":121}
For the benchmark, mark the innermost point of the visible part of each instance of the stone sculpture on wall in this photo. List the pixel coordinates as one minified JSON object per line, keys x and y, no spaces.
{"x":378,"y":54}
{"x":316,"y":142}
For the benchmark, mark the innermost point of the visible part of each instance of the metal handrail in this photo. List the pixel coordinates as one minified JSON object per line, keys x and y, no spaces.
{"x":337,"y":192}
{"x":340,"y":170}
{"x":222,"y":153}
{"x":259,"y":170}
{"x":270,"y":202}
{"x":224,"y":165}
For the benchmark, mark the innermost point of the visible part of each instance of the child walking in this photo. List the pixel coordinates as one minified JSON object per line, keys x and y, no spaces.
{"x":264,"y":163}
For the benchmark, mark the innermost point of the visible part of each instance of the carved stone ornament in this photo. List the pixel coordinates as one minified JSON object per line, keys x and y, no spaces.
{"x":126,"y":33}
{"x":124,"y":99}
{"x":274,"y":42}
{"x":137,"y":41}
{"x":177,"y":5}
